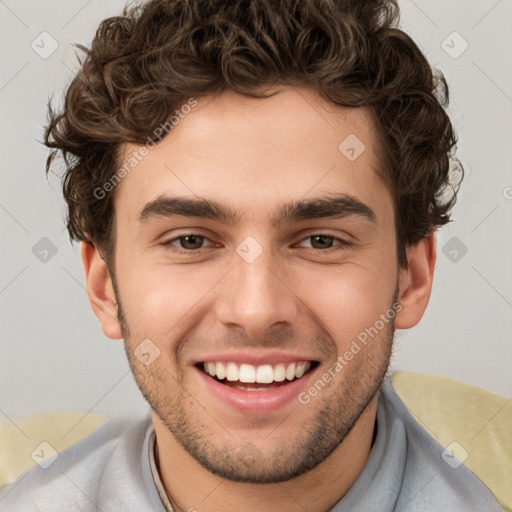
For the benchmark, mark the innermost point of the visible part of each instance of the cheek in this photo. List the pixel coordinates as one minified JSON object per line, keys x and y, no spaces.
{"x":158,"y":297}
{"x":347,"y":299}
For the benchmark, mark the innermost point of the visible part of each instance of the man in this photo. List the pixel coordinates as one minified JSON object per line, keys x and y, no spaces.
{"x":256,"y":186}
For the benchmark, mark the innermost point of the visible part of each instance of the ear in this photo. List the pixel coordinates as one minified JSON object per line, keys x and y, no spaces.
{"x":415,"y":282}
{"x":100,"y":290}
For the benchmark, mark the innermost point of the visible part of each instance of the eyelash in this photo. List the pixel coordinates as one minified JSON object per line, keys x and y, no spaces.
{"x":342,"y":244}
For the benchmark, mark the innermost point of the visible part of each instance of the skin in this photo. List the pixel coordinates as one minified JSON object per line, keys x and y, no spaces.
{"x":298,"y":296}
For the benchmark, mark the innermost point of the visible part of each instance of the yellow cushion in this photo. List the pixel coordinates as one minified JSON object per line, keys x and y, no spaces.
{"x":466,"y":420}
{"x":35,"y":439}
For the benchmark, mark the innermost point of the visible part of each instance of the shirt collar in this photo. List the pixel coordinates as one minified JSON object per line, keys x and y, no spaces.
{"x":154,"y":473}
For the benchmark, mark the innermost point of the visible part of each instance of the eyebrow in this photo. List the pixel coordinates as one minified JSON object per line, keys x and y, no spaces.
{"x":331,"y":206}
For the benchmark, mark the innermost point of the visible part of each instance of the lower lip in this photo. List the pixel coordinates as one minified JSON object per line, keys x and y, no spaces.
{"x":256,"y":402}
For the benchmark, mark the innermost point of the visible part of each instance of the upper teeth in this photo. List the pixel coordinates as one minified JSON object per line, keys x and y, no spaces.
{"x":263,"y":374}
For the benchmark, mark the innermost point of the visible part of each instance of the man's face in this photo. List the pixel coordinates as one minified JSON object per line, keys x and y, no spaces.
{"x":267,"y":286}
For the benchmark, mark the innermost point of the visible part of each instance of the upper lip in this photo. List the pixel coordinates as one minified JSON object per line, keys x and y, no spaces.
{"x":255,"y":358}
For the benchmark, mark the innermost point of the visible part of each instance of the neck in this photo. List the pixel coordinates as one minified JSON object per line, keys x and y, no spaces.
{"x":190,"y":486}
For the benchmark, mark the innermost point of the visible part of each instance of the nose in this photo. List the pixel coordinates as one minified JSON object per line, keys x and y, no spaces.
{"x":257,"y":297}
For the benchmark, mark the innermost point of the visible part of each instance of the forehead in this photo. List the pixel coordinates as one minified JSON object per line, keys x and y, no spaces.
{"x":254,"y":153}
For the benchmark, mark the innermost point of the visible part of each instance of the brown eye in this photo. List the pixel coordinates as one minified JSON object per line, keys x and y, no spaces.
{"x":324,"y":241}
{"x":188,"y":243}
{"x":321,"y":241}
{"x":191,"y":241}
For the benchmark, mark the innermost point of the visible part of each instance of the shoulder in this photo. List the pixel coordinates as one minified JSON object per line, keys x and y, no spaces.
{"x":79,"y":475}
{"x":433,"y":478}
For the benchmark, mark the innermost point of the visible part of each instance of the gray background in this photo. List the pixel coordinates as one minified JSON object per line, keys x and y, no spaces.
{"x":53,"y":355}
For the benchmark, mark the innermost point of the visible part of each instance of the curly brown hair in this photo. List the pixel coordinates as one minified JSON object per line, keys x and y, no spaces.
{"x":144,"y":64}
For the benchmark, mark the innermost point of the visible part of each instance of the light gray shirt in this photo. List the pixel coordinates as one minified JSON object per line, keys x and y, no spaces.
{"x":111,"y":471}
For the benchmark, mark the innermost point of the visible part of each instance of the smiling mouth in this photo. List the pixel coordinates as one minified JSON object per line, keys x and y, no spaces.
{"x":248,"y":377}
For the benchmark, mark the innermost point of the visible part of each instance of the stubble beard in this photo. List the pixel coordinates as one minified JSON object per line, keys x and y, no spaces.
{"x":337,"y":409}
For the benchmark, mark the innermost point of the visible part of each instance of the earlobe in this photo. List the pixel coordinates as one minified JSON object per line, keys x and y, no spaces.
{"x":100,"y":290}
{"x":416,"y":282}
